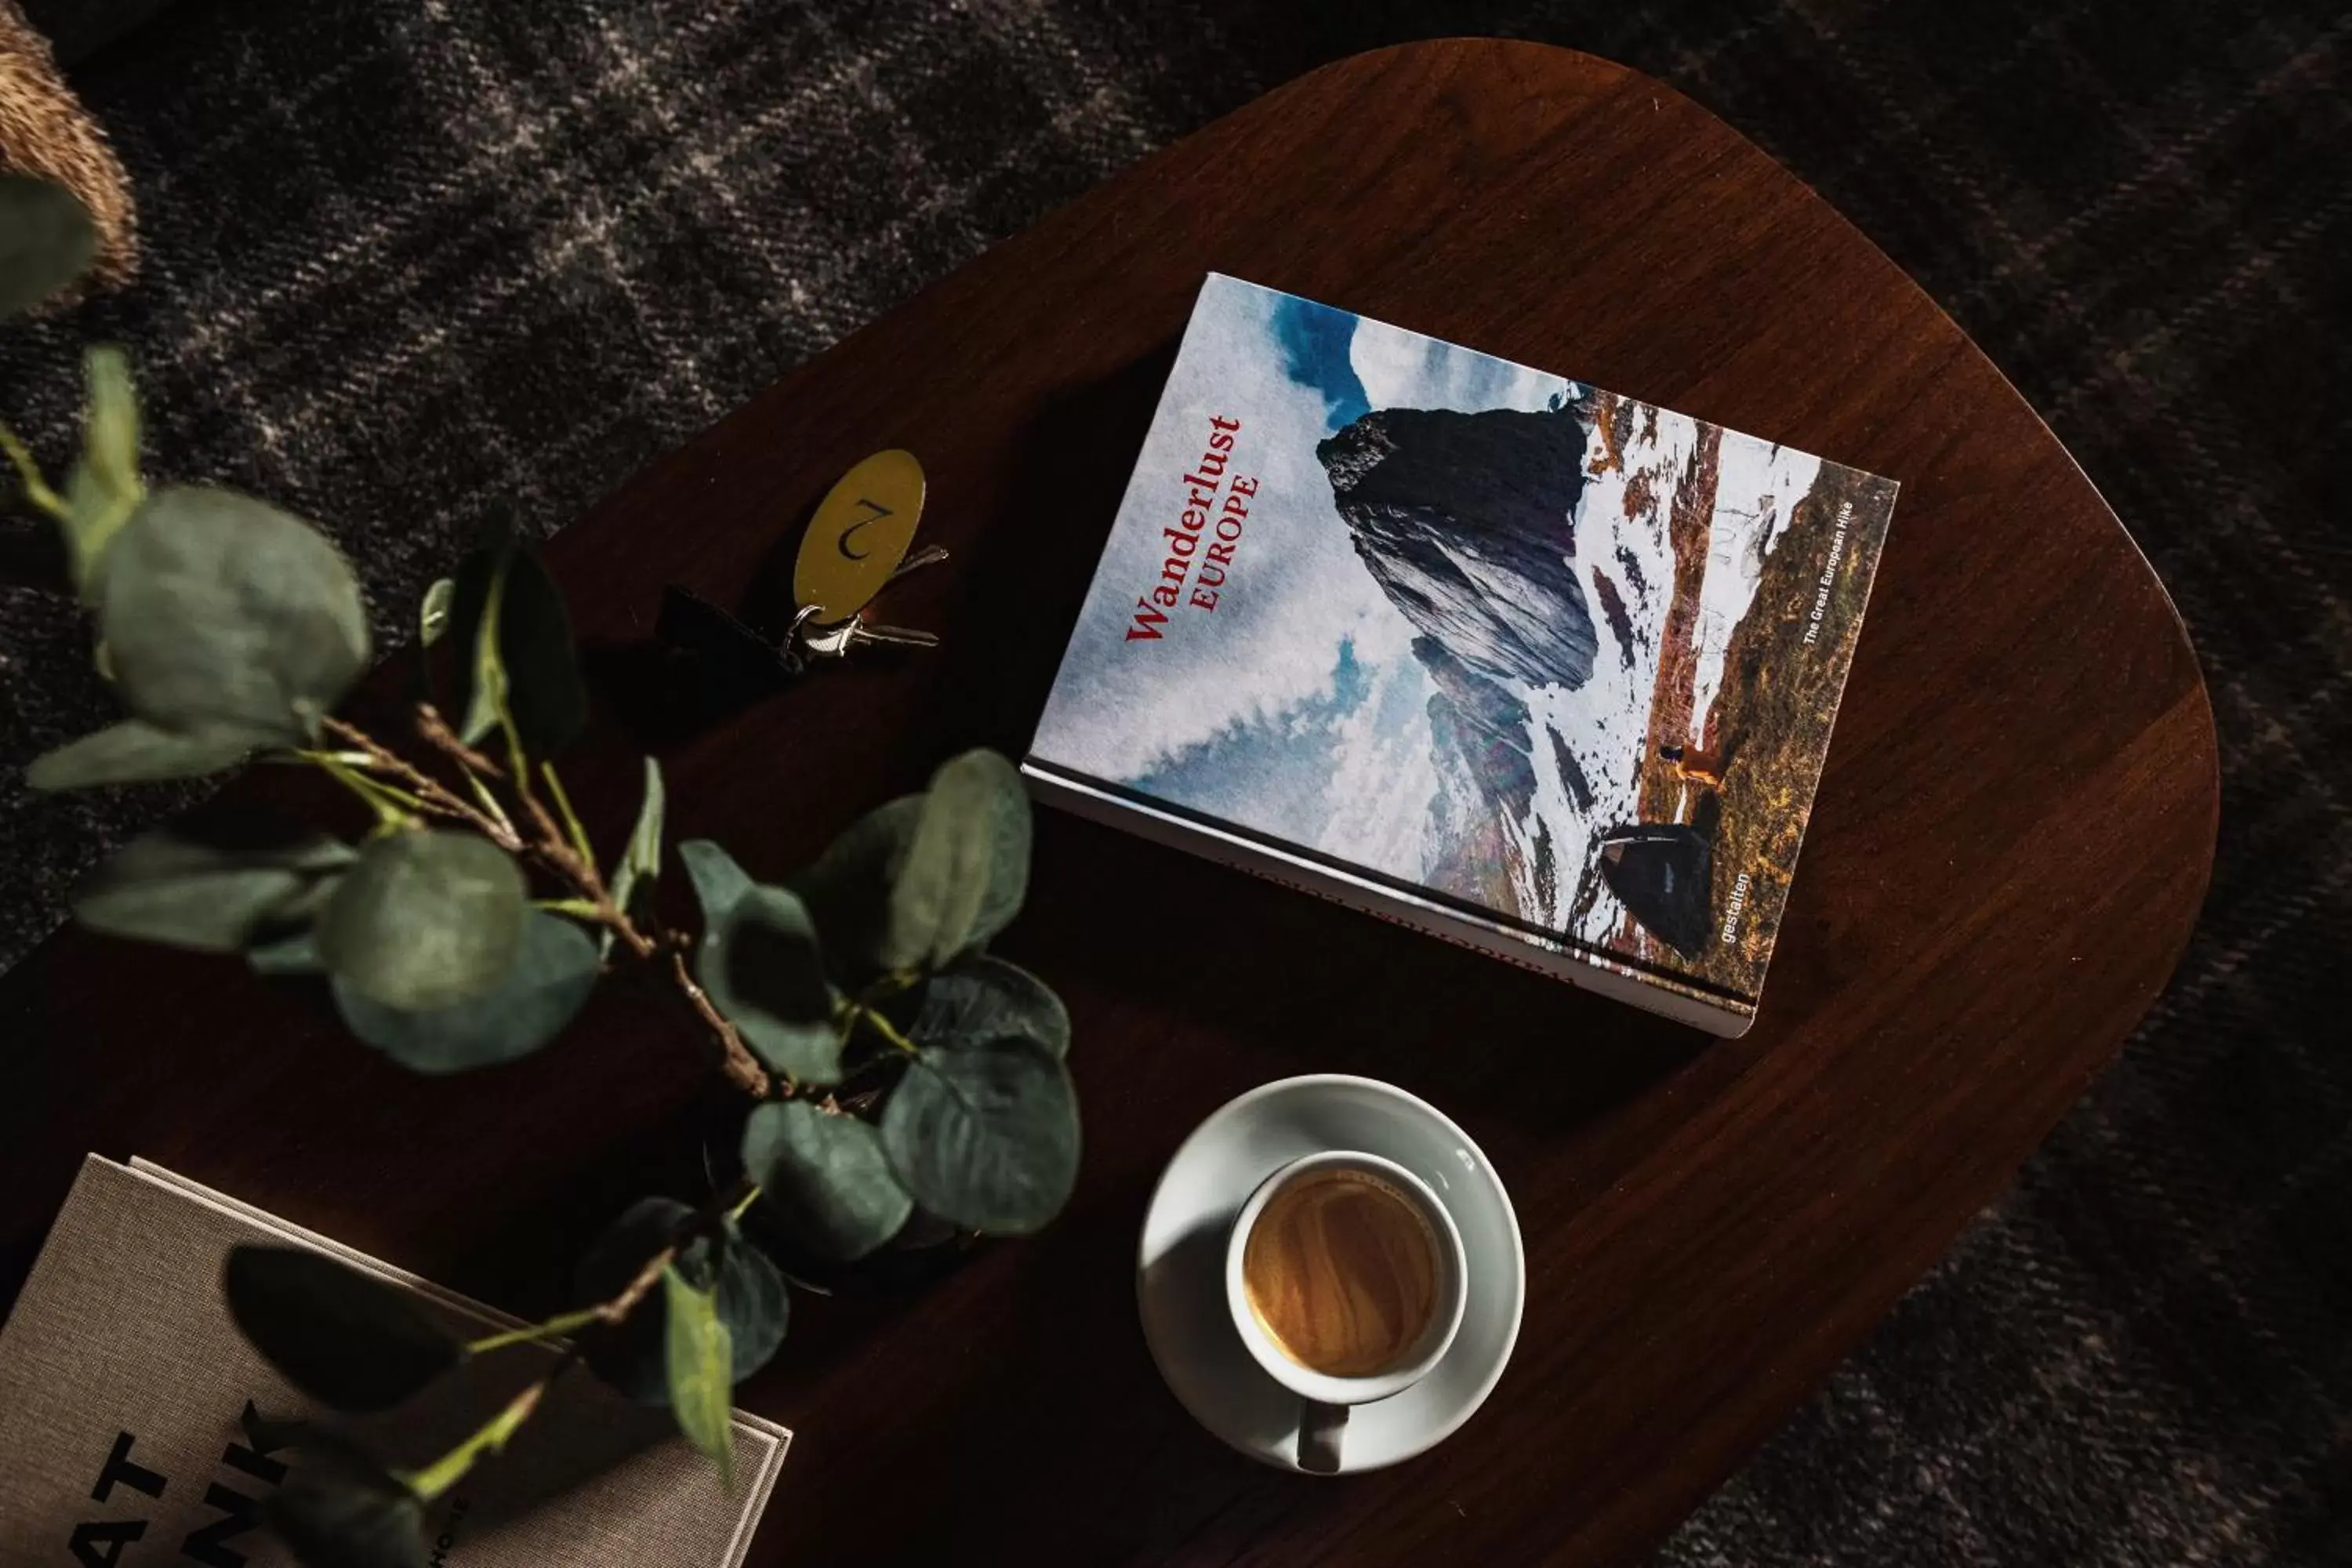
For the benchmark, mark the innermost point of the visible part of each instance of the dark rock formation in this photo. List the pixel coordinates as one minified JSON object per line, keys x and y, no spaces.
{"x":1466,"y":521}
{"x":1620,"y":620}
{"x":1664,"y":873}
{"x":1631,"y":565}
{"x":1571,"y":771}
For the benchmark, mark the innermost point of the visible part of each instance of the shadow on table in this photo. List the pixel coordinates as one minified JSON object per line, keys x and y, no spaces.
{"x":1302,"y":985}
{"x":1020,"y":585}
{"x":665,"y":692}
{"x":1059,"y":1402}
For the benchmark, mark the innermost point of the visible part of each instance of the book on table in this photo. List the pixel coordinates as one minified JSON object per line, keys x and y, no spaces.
{"x":124,"y":1386}
{"x":1540,"y":668}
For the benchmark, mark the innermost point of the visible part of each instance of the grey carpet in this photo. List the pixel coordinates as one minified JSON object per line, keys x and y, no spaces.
{"x":409,"y":256}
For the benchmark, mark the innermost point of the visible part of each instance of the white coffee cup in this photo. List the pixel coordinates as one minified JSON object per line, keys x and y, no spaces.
{"x":1325,"y":1398}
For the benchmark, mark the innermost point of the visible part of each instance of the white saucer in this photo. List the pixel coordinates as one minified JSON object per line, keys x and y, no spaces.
{"x":1180,"y":1274}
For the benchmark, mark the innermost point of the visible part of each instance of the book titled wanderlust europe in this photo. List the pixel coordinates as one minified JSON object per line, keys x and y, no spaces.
{"x":123,"y":1385}
{"x":1540,"y":669}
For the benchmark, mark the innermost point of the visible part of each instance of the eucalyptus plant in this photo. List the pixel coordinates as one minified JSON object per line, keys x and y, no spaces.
{"x":889,"y":1063}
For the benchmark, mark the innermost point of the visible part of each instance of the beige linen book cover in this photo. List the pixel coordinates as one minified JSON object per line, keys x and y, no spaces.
{"x":123,"y":1379}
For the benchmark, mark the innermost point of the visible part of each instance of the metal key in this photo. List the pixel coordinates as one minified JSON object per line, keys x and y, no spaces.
{"x":929,"y":555}
{"x":837,"y":641}
{"x":863,"y":631}
{"x":856,"y":547}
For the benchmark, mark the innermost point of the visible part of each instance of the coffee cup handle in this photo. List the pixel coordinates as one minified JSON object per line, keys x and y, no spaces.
{"x":1320,"y":1427}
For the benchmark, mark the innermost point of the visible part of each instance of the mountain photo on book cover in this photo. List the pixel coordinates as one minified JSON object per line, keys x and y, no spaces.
{"x":1553,"y":654}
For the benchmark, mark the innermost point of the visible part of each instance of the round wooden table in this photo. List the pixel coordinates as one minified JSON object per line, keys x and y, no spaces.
{"x":2009,"y":845}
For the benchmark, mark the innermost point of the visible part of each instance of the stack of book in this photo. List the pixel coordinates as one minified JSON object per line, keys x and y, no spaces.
{"x":125,"y":1385}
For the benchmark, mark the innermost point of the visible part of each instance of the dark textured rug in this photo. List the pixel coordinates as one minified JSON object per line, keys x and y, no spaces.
{"x":407,"y":256}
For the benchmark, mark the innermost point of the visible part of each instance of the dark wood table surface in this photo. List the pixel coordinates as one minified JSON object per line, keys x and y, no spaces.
{"x":2010,"y":842}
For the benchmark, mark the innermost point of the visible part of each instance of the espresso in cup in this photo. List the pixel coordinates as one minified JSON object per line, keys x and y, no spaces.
{"x":1344,"y":1273}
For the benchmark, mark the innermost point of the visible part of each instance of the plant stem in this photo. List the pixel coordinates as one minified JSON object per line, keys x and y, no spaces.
{"x":28,"y":470}
{"x":565,"y":853}
{"x":570,"y":818}
{"x":552,"y":846}
{"x":393,"y":807}
{"x":555,"y":1328}
{"x":742,"y":1068}
{"x":450,"y":1469}
{"x":441,"y":738}
{"x":860,"y":1013}
{"x":490,"y":803}
{"x":616,"y":1310}
{"x":744,"y":1203}
{"x":472,"y":766}
{"x":578,"y":909}
{"x":431,"y":795}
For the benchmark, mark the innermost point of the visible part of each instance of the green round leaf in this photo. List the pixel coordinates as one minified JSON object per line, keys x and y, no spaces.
{"x":986,"y":1136}
{"x":425,"y":920}
{"x":171,"y":888}
{"x":697,"y":1360}
{"x":46,"y":241}
{"x":552,"y":974}
{"x":503,"y":591}
{"x":967,"y":868}
{"x":762,"y":967}
{"x":826,"y":1176}
{"x":718,"y":881}
{"x":340,"y":1509}
{"x":220,"y":612}
{"x":631,"y":1356}
{"x":135,"y":752}
{"x":752,"y":1301}
{"x":980,"y":998}
{"x":752,"y":1298}
{"x":847,"y":889}
{"x":344,"y":1338}
{"x":295,"y":955}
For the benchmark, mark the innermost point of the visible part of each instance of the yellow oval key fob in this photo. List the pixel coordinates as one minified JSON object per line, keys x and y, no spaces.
{"x":861,"y":532}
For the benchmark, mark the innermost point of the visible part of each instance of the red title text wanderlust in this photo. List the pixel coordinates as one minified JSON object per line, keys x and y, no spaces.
{"x":1199,"y":544}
